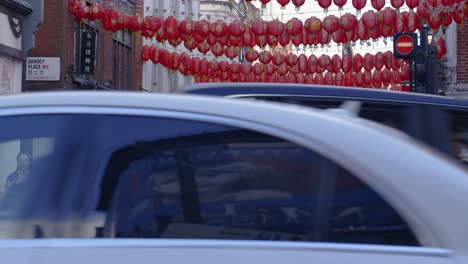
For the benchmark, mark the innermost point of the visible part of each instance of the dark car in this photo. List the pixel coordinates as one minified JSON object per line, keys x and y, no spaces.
{"x":437,"y":120}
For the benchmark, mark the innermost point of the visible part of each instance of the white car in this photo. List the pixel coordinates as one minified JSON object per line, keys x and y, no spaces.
{"x":103,"y":177}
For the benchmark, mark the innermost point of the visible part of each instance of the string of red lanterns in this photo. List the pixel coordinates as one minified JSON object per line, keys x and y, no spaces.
{"x":220,"y":36}
{"x":376,"y":71}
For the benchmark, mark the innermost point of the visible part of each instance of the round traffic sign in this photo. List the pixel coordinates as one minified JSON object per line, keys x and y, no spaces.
{"x":404,"y":44}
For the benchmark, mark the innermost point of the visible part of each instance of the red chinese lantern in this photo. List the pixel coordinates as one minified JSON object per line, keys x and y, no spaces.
{"x":309,"y":38}
{"x":325,"y":4}
{"x":198,"y":38}
{"x":185,"y":26}
{"x":278,"y":58}
{"x":264,"y":3}
{"x":404,"y":72}
{"x":389,"y":16}
{"x":362,"y":31}
{"x":265,"y":57}
{"x":294,"y":69}
{"x":145,"y":53}
{"x":223,"y":66}
{"x":212,"y":39}
{"x":81,"y":11}
{"x":220,"y":29}
{"x":175,"y":42}
{"x":358,"y":79}
{"x":155,"y":23}
{"x":368,"y":62}
{"x":448,"y":3}
{"x":291,"y":59}
{"x":387,"y":30}
{"x":296,"y":40}
{"x":202,"y":27}
{"x":367,"y":78}
{"x":195,"y":67}
{"x":336,"y":63}
{"x":348,"y":22}
{"x":309,"y":79}
{"x":203,"y":47}
{"x":388,"y":59}
{"x":358,"y":5}
{"x":217,"y":50}
{"x":259,"y":27}
{"x":347,"y":63}
{"x":257,"y":69}
{"x":446,"y":18}
{"x":331,"y":23}
{"x":236,"y":28}
{"x":275,"y":28}
{"x":340,"y":4}
{"x":458,"y":16}
{"x":324,"y":61}
{"x":441,"y":47}
{"x":235,"y":67}
{"x":433,"y":3}
{"x":164,"y":57}
{"x":412,"y":3}
{"x":291,"y":78}
{"x":214,"y":65}
{"x":378,"y":4}
{"x":358,"y":62}
{"x":234,"y":41}
{"x":350,"y":35}
{"x":282,"y":70}
{"x":401,"y":22}
{"x":328,"y":79}
{"x":422,"y":11}
{"x":397,"y":3}
{"x":172,"y":28}
{"x":284,"y":39}
{"x":387,"y":76}
{"x":302,"y":63}
{"x":313,"y":25}
{"x":294,"y":26}
{"x":379,"y":60}
{"x":413,"y":22}
{"x":396,"y":78}
{"x":434,"y":22}
{"x":369,"y":19}
{"x":318,"y":78}
{"x":251,"y":55}
{"x":339,"y":79}
{"x":260,"y":40}
{"x":247,"y":37}
{"x":323,"y":37}
{"x":272,"y":41}
{"x":298,"y":4}
{"x":283,"y":3}
{"x":349,"y":79}
{"x":246,"y":68}
{"x":223,"y":40}
{"x":109,"y":21}
{"x":312,"y":63}
{"x":397,"y":64}
{"x":270,"y":69}
{"x":96,"y":12}
{"x":374,"y":33}
{"x":204,"y":67}
{"x":300,"y":78}
{"x":377,"y":78}
{"x":231,"y":52}
{"x":154,"y":55}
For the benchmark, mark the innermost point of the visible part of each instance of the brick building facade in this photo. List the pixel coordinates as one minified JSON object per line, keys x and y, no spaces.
{"x":462,"y":55}
{"x":117,"y":58}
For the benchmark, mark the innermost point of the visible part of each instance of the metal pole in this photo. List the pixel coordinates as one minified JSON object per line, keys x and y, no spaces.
{"x":411,"y":77}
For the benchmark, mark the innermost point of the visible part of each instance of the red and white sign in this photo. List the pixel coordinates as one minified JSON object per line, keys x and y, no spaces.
{"x":404,"y":44}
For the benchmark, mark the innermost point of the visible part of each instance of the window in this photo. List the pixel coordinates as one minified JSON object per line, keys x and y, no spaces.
{"x":459,"y":135}
{"x":143,"y":177}
{"x":222,"y":182}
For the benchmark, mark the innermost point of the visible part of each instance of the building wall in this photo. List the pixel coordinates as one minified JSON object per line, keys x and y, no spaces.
{"x":11,"y":71}
{"x":462,"y":55}
{"x":57,"y":37}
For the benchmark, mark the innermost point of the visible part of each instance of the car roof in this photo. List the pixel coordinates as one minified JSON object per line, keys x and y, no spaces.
{"x":274,"y":89}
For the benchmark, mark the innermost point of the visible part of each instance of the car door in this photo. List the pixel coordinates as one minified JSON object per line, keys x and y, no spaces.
{"x":161,"y":185}
{"x":177,"y":187}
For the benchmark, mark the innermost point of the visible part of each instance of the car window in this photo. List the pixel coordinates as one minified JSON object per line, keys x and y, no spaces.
{"x":142,"y":177}
{"x":221,"y":182}
{"x":458,"y":139}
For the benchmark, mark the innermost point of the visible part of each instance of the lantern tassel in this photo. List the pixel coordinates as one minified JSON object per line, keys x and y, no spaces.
{"x":358,"y":12}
